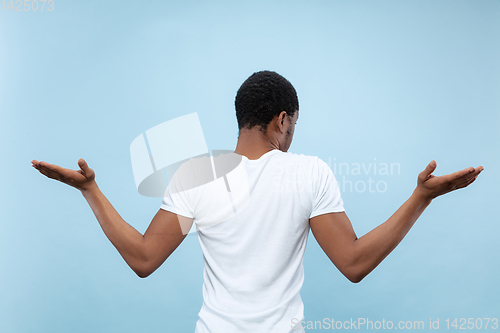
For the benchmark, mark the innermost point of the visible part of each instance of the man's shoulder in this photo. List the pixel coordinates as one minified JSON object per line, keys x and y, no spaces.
{"x":302,"y":158}
{"x":311,"y":164}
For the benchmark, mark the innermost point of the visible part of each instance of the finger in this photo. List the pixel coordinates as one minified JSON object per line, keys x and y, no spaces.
{"x":84,"y":167}
{"x":35,"y":164}
{"x":44,"y":172}
{"x":45,"y":165}
{"x":49,"y":166}
{"x":429,"y":169}
{"x":462,"y":174}
{"x":468,"y":177}
{"x":48,"y":173}
{"x":474,"y":173}
{"x":467,"y":183}
{"x":55,"y":169}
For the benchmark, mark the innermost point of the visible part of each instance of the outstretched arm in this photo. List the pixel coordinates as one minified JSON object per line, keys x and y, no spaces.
{"x":143,"y":253}
{"x":356,"y":258}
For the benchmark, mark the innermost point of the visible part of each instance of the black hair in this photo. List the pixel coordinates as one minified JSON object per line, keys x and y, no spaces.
{"x":262,"y":97}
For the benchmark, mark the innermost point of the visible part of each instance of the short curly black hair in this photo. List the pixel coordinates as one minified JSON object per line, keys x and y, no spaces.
{"x":262,"y":97}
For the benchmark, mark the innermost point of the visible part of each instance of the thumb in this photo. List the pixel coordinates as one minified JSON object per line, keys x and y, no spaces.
{"x":429,"y":169}
{"x":84,"y":167}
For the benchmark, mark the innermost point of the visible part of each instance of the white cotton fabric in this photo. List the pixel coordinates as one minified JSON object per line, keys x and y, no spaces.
{"x":253,"y":239}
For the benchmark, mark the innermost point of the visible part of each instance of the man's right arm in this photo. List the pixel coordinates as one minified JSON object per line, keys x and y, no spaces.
{"x":143,"y":253}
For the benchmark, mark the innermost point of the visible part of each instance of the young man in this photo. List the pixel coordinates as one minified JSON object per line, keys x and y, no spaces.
{"x":253,"y":259}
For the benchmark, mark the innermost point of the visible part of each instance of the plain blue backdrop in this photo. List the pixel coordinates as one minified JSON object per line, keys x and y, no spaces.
{"x":399,"y":82}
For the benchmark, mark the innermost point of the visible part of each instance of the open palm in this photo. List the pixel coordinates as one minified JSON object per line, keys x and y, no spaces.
{"x":81,"y":179}
{"x":431,"y":186}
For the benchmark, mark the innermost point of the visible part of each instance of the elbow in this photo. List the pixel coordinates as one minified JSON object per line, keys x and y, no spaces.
{"x":354,"y":275}
{"x":142,"y":274}
{"x":355,"y":278}
{"x":143,"y":270}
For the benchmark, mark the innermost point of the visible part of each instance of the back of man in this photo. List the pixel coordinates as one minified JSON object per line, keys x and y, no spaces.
{"x":253,"y":260}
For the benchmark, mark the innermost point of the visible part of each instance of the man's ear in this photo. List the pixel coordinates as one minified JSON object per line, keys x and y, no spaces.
{"x":281,"y":120}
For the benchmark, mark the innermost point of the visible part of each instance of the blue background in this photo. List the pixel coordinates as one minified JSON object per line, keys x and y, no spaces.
{"x":387,"y":81}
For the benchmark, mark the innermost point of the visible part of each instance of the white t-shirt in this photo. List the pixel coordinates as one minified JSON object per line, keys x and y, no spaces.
{"x":252,"y":226}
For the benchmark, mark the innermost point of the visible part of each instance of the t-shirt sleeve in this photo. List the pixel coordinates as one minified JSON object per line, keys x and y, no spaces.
{"x":177,"y":203}
{"x":326,"y":191}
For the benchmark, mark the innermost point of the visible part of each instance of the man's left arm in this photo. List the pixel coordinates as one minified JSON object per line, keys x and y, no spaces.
{"x":356,"y":258}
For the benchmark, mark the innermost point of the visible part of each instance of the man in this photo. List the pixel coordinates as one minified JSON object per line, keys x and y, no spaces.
{"x":253,"y":259}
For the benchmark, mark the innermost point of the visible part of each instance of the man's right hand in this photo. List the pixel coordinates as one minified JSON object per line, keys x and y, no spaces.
{"x":143,"y":253}
{"x":82,"y":179}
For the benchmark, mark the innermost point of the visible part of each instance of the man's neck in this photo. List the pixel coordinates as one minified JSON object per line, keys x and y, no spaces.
{"x":253,"y":144}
